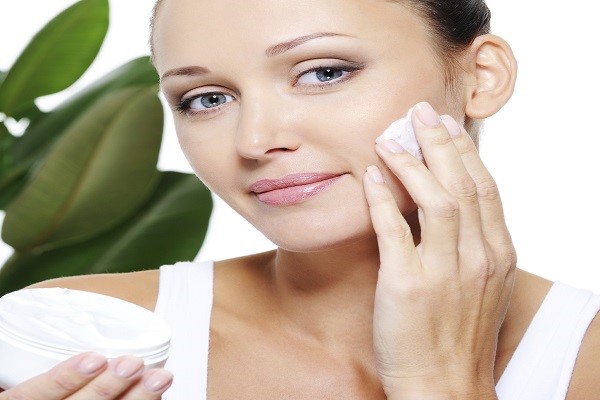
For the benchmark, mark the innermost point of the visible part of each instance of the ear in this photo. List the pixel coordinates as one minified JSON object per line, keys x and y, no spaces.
{"x":492,"y":68}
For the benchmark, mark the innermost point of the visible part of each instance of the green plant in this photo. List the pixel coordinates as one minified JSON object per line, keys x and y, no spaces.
{"x":80,"y":187}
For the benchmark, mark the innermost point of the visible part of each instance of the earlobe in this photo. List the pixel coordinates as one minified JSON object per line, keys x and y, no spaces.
{"x":493,"y":69}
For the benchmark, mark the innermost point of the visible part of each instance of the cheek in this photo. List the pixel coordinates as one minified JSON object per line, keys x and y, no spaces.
{"x":371,"y":105}
{"x":362,"y":115}
{"x":356,"y":116}
{"x":205,"y":152}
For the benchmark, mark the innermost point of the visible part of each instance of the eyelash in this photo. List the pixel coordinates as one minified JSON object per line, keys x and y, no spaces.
{"x":345,"y":68}
{"x":184,"y":105}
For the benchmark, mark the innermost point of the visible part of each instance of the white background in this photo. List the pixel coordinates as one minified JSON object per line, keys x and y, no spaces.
{"x":543,"y":148}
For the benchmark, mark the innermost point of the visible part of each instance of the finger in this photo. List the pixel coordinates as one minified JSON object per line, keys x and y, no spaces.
{"x":397,"y":251}
{"x":490,"y":205}
{"x":440,"y":213}
{"x":499,"y":243}
{"x":63,"y":380}
{"x":445,"y":163}
{"x":122,"y":373}
{"x":153,"y":384}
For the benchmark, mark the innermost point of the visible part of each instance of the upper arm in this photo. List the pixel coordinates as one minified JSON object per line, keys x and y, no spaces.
{"x":585,"y":382}
{"x":140,"y":288}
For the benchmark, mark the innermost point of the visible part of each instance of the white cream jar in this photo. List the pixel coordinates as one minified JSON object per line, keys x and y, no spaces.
{"x":41,"y":327}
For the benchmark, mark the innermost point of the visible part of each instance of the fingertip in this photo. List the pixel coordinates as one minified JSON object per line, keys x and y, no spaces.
{"x":157,"y":380}
{"x":453,"y":128}
{"x":127,"y":367}
{"x":91,"y":363}
{"x":426,"y":115}
{"x":374,"y":175}
{"x":389,"y":146}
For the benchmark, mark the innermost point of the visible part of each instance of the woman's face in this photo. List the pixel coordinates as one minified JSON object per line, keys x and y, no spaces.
{"x":294,"y":92}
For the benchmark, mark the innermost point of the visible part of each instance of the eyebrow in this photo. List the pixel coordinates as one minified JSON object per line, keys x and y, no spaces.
{"x":290,"y":44}
{"x":196,"y":70}
{"x":193,"y":70}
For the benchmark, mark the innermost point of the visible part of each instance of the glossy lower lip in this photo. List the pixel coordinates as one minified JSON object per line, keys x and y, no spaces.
{"x":292,"y":189}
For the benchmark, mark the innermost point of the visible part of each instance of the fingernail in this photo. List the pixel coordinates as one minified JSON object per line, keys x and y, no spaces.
{"x":451,"y":125}
{"x":127,"y":367}
{"x":91,"y":363}
{"x":375,"y":174}
{"x":390,"y":145}
{"x":158,"y":381}
{"x":427,"y":114}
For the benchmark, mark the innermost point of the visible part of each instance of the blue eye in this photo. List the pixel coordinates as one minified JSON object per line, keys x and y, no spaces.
{"x":322,"y":75}
{"x":203,"y":102}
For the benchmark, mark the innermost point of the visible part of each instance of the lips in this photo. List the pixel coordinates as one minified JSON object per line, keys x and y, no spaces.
{"x":292,"y":188}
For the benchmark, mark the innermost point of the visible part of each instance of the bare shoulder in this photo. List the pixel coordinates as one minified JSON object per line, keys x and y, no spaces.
{"x":585,"y":383}
{"x":140,"y":288}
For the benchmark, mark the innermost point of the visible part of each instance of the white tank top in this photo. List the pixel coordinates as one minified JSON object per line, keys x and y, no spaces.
{"x":540,"y":368}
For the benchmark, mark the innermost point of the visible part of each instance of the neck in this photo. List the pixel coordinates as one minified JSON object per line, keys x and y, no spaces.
{"x":329,"y":295}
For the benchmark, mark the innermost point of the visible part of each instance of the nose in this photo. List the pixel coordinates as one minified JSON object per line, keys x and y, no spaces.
{"x":265,"y":129}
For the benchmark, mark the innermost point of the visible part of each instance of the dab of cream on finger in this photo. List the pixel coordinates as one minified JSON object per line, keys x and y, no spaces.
{"x":401,"y":131}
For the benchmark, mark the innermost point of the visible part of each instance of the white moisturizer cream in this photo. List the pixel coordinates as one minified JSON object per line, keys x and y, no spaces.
{"x":41,"y":327}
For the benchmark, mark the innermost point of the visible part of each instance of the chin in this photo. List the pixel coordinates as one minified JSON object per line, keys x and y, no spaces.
{"x":308,"y":235}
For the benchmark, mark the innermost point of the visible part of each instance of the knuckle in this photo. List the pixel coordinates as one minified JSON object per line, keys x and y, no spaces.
{"x":382,"y":196}
{"x":404,"y":163}
{"x":464,"y":188}
{"x":488,"y":190}
{"x":441,"y":139}
{"x":465,"y":145}
{"x":445,"y":208}
{"x":505,"y":253}
{"x":510,"y":258}
{"x":413,"y":290}
{"x":63,"y":380}
{"x":407,"y":288}
{"x":396,"y":231}
{"x":104,"y":391}
{"x":387,"y":223}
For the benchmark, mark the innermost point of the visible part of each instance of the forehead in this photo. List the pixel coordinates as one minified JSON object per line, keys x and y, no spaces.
{"x":185,"y":30}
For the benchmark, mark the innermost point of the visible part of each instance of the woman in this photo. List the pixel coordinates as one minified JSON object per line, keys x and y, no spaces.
{"x":393,"y":278}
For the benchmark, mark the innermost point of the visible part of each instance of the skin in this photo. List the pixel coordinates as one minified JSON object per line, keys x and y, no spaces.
{"x":442,"y":279}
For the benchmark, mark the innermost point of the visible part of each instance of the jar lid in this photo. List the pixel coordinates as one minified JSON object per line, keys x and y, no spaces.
{"x":74,"y":321}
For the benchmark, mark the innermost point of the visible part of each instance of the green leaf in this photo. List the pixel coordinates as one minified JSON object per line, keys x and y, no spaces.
{"x":7,"y":141}
{"x":13,"y":174}
{"x":57,"y":55}
{"x":37,"y":137}
{"x":11,"y":191}
{"x":32,"y":113}
{"x":31,"y":147}
{"x":94,"y":176}
{"x":170,"y":227}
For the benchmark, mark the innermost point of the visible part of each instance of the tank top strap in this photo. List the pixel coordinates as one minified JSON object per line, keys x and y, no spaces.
{"x":185,"y":299}
{"x":542,"y":365}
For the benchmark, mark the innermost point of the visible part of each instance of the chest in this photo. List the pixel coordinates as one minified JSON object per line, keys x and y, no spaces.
{"x":255,"y":365}
{"x":252,"y":367}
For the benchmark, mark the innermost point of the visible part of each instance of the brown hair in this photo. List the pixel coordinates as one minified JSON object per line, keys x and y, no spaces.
{"x":453,"y":25}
